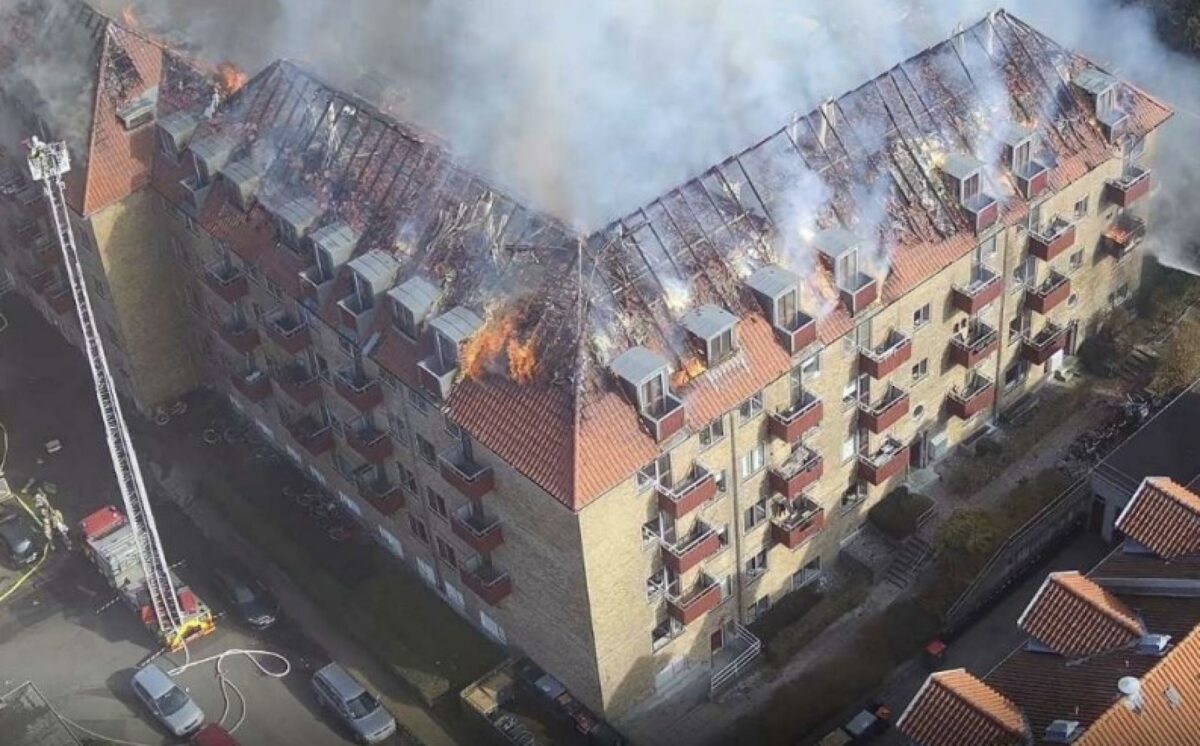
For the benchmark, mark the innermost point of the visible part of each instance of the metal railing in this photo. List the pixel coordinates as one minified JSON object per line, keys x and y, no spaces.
{"x":731,"y":671}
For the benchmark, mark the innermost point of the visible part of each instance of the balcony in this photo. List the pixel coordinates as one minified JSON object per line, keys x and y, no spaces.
{"x":797,"y":334}
{"x":979,"y":342}
{"x":486,"y":580}
{"x":1048,"y":295}
{"x":46,"y":253}
{"x":789,"y":425}
{"x":796,"y":521}
{"x":254,"y":385}
{"x":887,"y":357}
{"x":890,"y":460}
{"x":1123,"y":236}
{"x":1039,"y":348}
{"x":665,"y":419}
{"x":39,"y":281}
{"x":315,"y":286}
{"x":288,"y":333}
{"x":1129,"y":188}
{"x":313,"y":436}
{"x":701,"y":543}
{"x":801,"y":470}
{"x":478,"y":530}
{"x":383,"y":495}
{"x":472,"y":479}
{"x":985,"y":287}
{"x":686,"y":606}
{"x":436,"y":376}
{"x":61,"y":299}
{"x":886,"y":412}
{"x":298,"y":383}
{"x":1032,"y":179}
{"x":226,"y":281}
{"x":983,"y":210}
{"x":356,"y":313}
{"x":977,"y":395}
{"x":239,"y":335}
{"x":1054,"y":239}
{"x":697,"y":488}
{"x":370,"y":443}
{"x":360,"y":392}
{"x":859,"y":293}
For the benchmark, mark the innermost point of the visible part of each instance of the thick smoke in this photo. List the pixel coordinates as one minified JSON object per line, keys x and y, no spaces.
{"x":588,"y":109}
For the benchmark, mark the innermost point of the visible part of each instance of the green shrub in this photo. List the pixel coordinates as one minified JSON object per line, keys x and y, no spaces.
{"x":789,"y":640}
{"x":897,"y":514}
{"x":789,"y":610}
{"x":1098,"y":353}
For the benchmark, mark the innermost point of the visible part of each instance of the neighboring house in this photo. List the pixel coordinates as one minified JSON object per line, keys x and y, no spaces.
{"x":614,"y":450}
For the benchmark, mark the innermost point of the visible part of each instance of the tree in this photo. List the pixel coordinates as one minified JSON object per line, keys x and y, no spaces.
{"x":1181,"y":365}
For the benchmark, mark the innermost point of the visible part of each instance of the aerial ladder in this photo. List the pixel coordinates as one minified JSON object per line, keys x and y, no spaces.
{"x":173,"y":621}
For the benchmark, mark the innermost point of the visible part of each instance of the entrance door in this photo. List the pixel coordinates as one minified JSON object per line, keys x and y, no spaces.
{"x":717,"y":640}
{"x":1072,"y":337}
{"x":918,"y":454}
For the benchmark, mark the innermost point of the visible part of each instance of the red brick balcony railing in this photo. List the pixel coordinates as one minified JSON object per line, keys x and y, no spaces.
{"x":796,"y":333}
{"x":886,"y":412}
{"x":357,"y":313}
{"x":796,"y":521}
{"x":1032,"y":179}
{"x":983,"y":288}
{"x":890,"y":460}
{"x":977,"y":395}
{"x":798,"y":473}
{"x":1039,"y":348}
{"x":254,"y":385}
{"x":472,"y":479}
{"x":790,"y":424}
{"x":697,"y":488}
{"x":486,"y":580}
{"x":298,"y":383}
{"x":383,"y":495}
{"x":371,"y":444}
{"x":1049,"y":294}
{"x":1123,"y":236}
{"x":1047,"y":243}
{"x":887,"y":357}
{"x":979,"y":342}
{"x":239,"y":335}
{"x":686,"y":606}
{"x":436,"y":377}
{"x":1129,"y":188}
{"x":313,"y":436}
{"x":315,"y":287}
{"x":701,"y":543}
{"x":477,"y":529}
{"x":666,"y":419}
{"x":359,"y":391}
{"x":226,"y":281}
{"x":288,"y":333}
{"x":862,"y":292}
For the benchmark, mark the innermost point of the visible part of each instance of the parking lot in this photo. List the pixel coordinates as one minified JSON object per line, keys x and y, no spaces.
{"x":61,"y":630}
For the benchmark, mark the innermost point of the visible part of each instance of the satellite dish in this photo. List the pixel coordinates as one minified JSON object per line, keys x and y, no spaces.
{"x":1129,"y":686}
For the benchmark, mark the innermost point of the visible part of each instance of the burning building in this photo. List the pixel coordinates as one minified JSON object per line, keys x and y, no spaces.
{"x":611,"y":450}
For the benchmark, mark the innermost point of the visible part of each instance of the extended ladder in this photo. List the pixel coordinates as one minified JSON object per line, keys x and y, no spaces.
{"x":47,"y":164}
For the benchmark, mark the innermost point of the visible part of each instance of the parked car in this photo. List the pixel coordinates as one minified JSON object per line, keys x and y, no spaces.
{"x":248,"y":598}
{"x":338,"y":692}
{"x":21,"y":543}
{"x":213,"y":735}
{"x":170,"y":705}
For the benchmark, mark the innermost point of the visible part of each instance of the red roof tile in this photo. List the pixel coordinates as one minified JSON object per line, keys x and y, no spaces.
{"x":1164,"y":517}
{"x":953,"y":708}
{"x":1073,"y":616}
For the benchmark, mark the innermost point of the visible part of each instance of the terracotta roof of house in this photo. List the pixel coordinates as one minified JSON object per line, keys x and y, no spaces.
{"x":574,"y":302}
{"x":1075,"y":617}
{"x":953,"y":708}
{"x":1164,"y":517}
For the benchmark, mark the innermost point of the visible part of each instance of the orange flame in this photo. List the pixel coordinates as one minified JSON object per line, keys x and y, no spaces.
{"x":498,"y":338}
{"x":231,"y":78}
{"x":691,"y":368}
{"x":128,"y":17}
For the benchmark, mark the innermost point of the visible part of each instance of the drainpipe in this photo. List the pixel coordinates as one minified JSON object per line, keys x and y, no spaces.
{"x":1002,"y":332}
{"x":737,"y":513}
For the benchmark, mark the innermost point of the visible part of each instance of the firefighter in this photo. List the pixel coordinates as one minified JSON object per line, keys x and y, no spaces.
{"x":60,"y":528}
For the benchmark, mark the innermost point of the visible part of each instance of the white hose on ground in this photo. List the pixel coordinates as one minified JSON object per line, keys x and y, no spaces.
{"x":223,"y":679}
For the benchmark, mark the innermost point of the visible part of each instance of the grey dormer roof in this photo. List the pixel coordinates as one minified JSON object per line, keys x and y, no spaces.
{"x":638,"y":365}
{"x":245,"y":177}
{"x":416,"y":294}
{"x":337,"y":240}
{"x":960,"y":166}
{"x":300,"y":214}
{"x":377,"y":268}
{"x":180,"y":126}
{"x":708,"y":321}
{"x":457,"y":324}
{"x":1094,"y":81}
{"x":214,"y":150}
{"x":837,"y":241}
{"x":146,"y":103}
{"x":773,"y":281}
{"x":1013,"y":135}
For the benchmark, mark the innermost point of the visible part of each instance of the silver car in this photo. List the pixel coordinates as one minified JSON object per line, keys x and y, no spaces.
{"x":338,"y":692}
{"x":171,"y":705}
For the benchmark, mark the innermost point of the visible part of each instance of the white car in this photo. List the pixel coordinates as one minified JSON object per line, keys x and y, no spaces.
{"x":169,"y":704}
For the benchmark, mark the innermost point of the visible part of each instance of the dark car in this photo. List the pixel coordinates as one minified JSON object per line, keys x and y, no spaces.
{"x":21,"y":543}
{"x":249,"y":599}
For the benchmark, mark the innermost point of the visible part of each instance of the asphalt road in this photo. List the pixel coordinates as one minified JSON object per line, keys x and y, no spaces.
{"x":53,"y":631}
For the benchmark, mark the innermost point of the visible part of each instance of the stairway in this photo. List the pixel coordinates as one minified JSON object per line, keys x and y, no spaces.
{"x":914,"y":552}
{"x":1138,"y":366}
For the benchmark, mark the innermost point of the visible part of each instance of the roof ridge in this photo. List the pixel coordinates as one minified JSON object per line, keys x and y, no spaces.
{"x":978,"y":707}
{"x":95,"y":114}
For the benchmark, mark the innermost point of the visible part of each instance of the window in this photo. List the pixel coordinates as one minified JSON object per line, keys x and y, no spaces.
{"x":785,"y":309}
{"x":921,"y":316}
{"x":722,"y":482}
{"x":752,"y":461}
{"x":970,"y":187}
{"x":390,"y":541}
{"x":436,"y":503}
{"x":454,"y":431}
{"x":1015,"y":374}
{"x":850,"y":393}
{"x":754,"y":515}
{"x":489,"y":625}
{"x":426,"y":451}
{"x":853,"y":496}
{"x":810,"y":368}
{"x":920,"y":370}
{"x":751,"y":408}
{"x":1077,"y":260}
{"x":756,"y":566}
{"x":1017,"y":327}
{"x":419,"y":403}
{"x":418,"y":529}
{"x":1072,"y":300}
{"x":720,"y":347}
{"x":656,"y":584}
{"x":653,"y":395}
{"x":657,"y":471}
{"x":408,"y":480}
{"x":446,"y":552}
{"x":403,"y":319}
{"x":758,"y":608}
{"x":1021,"y":156}
{"x":846,"y":270}
{"x":807,"y":574}
{"x":1081,"y":208}
{"x":712,"y":432}
{"x":848,"y":448}
{"x":1023,"y":273}
{"x":1105,"y":101}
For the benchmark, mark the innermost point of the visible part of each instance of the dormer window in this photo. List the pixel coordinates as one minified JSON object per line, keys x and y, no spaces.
{"x":1030,"y":175}
{"x":1021,"y":156}
{"x":412,"y":300}
{"x":644,"y":373}
{"x":245,"y":178}
{"x":295,"y":218}
{"x":451,"y":330}
{"x":839,"y":252}
{"x":965,"y":175}
{"x":970,"y":188}
{"x":209,"y":155}
{"x":1103,"y":90}
{"x":652,"y":395}
{"x":713,"y":328}
{"x":175,"y":132}
{"x":140,"y":111}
